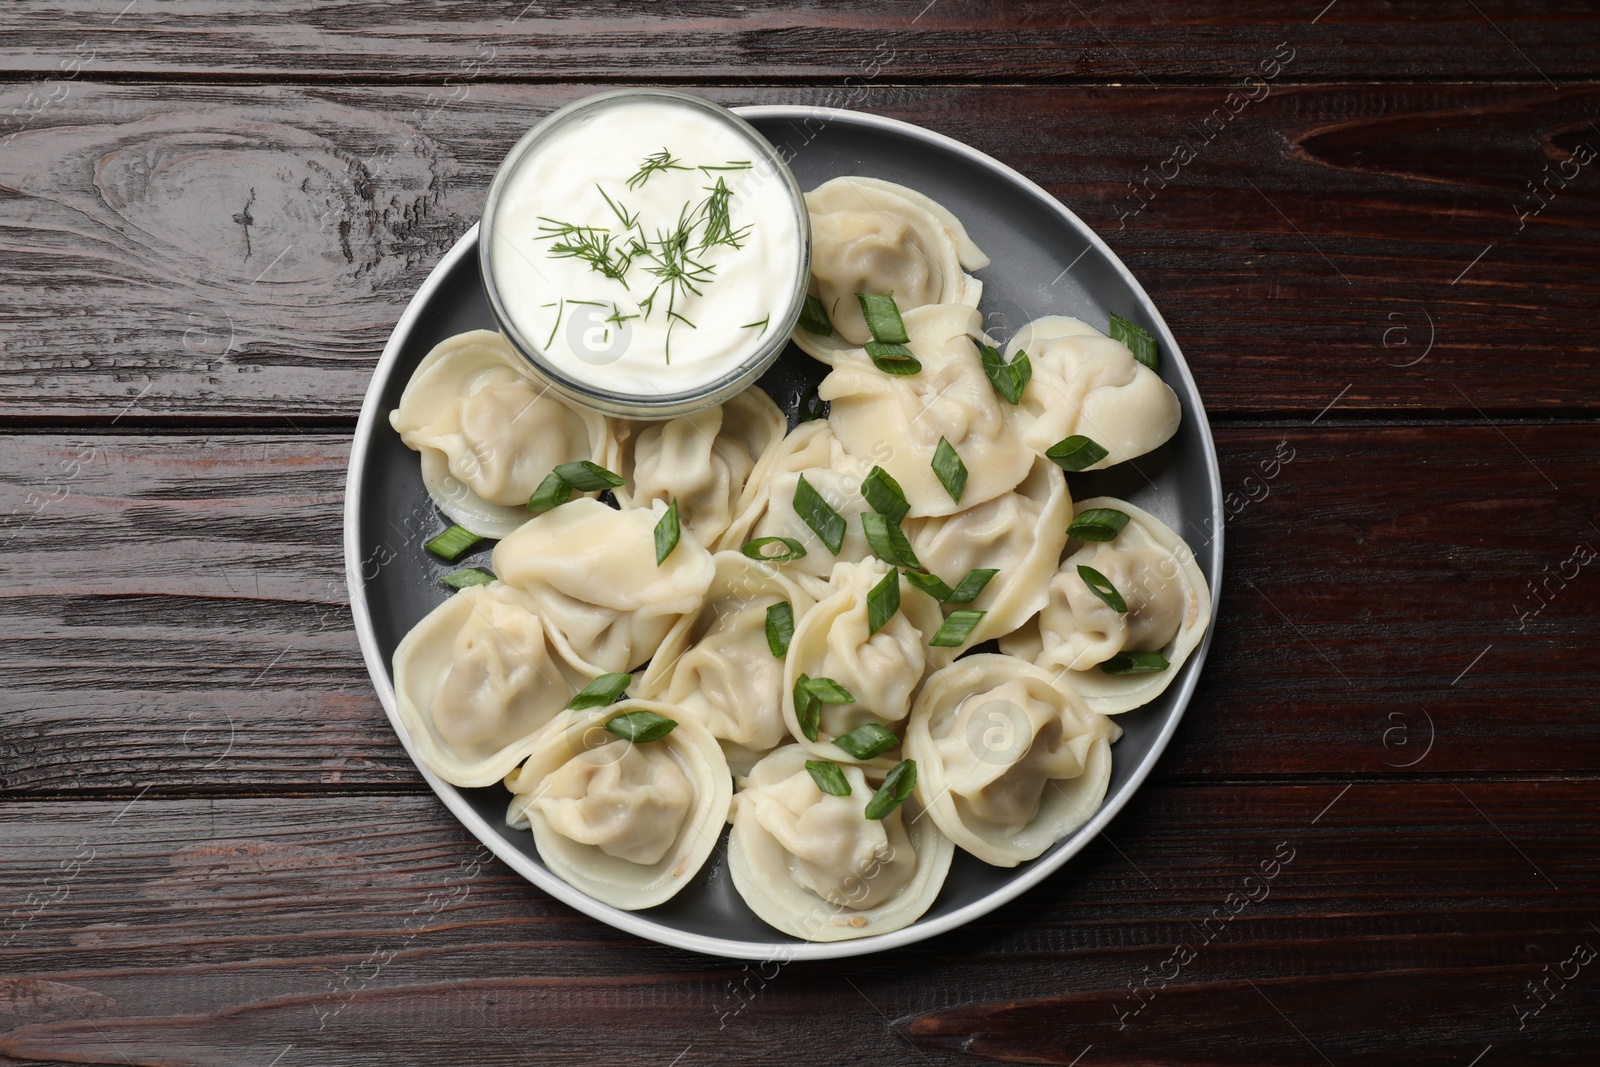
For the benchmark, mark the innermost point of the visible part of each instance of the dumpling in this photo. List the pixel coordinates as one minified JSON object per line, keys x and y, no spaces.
{"x":881,"y":670}
{"x":1020,"y":534}
{"x":488,"y":433}
{"x":1169,"y":608}
{"x":629,"y":823}
{"x":902,"y":418}
{"x":477,"y":675}
{"x":717,"y":665}
{"x":813,"y":451}
{"x":815,"y":867}
{"x":705,"y":460}
{"x":590,"y":571}
{"x":1086,"y":383}
{"x":872,"y":236}
{"x":1007,"y":762}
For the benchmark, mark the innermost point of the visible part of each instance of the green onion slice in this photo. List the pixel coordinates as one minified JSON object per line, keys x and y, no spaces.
{"x":1139,"y":341}
{"x":1075,"y":453}
{"x":888,"y":541}
{"x":967,"y":590}
{"x":466,"y":577}
{"x":884,"y":495}
{"x":640,"y":726}
{"x":1098,"y":524}
{"x":1008,"y":379}
{"x":883,"y":317}
{"x":453,"y":542}
{"x":952,"y":473}
{"x":826,"y":523}
{"x":587,"y":477}
{"x":552,"y":492}
{"x":957,"y":628}
{"x":814,"y":317}
{"x":604,"y":690}
{"x":931,"y":584}
{"x":828,"y":691}
{"x":829,"y":777}
{"x":867,"y":740}
{"x":892,"y":359}
{"x":780,"y":627}
{"x":1101,"y":587}
{"x":667,"y":532}
{"x":809,"y":696}
{"x":810,"y":407}
{"x":883,"y":601}
{"x":1135,"y":663}
{"x":792,"y":549}
{"x":897,"y":786}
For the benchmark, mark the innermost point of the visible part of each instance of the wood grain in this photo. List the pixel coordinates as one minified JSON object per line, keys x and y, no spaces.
{"x":239,"y":254}
{"x":1401,"y":599}
{"x":701,"y":40}
{"x":369,"y":930}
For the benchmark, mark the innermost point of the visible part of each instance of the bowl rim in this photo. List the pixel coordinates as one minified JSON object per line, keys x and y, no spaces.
{"x":640,"y":924}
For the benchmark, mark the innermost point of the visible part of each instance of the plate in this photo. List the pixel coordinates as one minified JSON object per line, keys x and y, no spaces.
{"x":1045,"y":261}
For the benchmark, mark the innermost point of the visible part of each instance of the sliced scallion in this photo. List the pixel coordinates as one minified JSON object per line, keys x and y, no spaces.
{"x":780,"y":627}
{"x":897,"y":786}
{"x":814,"y":317}
{"x":640,"y":726}
{"x":829,"y":777}
{"x":883,"y":601}
{"x":756,"y":549}
{"x":1139,"y":341}
{"x":467,"y":577}
{"x":1075,"y":453}
{"x":892,"y":358}
{"x":809,"y":696}
{"x":1135,"y":663}
{"x":888,"y":541}
{"x":552,"y":492}
{"x":1098,"y":524}
{"x":588,"y":477}
{"x":667,"y":532}
{"x":947,"y":465}
{"x":884,"y":495}
{"x":453,"y":542}
{"x":929,"y":583}
{"x":867,"y":741}
{"x":604,"y":690}
{"x":957,"y":628}
{"x":816,"y":513}
{"x":883,"y":317}
{"x":972,"y":584}
{"x":1008,"y":379}
{"x":1101,"y":587}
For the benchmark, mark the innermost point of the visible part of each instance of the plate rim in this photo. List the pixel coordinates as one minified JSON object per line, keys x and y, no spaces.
{"x":729,"y":948}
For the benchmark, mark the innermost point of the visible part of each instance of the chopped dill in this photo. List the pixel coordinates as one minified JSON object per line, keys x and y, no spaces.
{"x":762,"y":324}
{"x":653,"y":164}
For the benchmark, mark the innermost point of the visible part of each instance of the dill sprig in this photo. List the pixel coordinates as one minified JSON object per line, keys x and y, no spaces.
{"x":592,"y":244}
{"x":718,"y":223}
{"x":654,"y":164}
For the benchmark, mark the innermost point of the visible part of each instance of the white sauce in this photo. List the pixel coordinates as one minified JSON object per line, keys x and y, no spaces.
{"x":655,"y":353}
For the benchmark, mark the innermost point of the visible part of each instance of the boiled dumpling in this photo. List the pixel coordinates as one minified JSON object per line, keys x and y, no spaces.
{"x":1086,"y":383}
{"x":1020,"y":534}
{"x":1169,"y":608}
{"x":480,"y":673}
{"x":705,"y":460}
{"x":591,"y":573}
{"x":872,"y":236}
{"x":898,"y":421}
{"x":716,"y":662}
{"x":811,"y":450}
{"x":1008,"y":763}
{"x":881,"y":670}
{"x":488,"y":433}
{"x":629,"y":823}
{"x":814,"y":866}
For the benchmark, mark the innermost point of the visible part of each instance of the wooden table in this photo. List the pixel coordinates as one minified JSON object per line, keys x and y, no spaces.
{"x":1373,"y":839}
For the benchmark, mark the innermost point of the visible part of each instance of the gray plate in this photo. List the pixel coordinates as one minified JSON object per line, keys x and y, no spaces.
{"x":1045,"y":261}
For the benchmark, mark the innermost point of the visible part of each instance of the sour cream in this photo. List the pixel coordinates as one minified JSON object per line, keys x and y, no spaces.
{"x":642,"y":246}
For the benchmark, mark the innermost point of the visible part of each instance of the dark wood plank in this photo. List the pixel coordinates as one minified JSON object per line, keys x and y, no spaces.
{"x":898,"y":41}
{"x":181,"y":253}
{"x":1395,"y":599}
{"x":371,"y":931}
